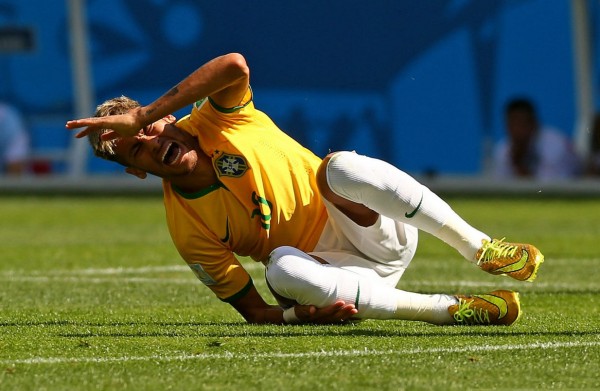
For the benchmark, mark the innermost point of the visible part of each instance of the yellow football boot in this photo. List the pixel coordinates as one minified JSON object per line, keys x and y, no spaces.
{"x":519,"y":261}
{"x":496,"y":308}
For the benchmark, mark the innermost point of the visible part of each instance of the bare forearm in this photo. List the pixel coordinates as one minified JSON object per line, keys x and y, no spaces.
{"x":226,"y":77}
{"x":255,"y":310}
{"x":271,"y":315}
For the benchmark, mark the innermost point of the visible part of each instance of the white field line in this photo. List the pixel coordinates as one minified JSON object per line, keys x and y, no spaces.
{"x":323,"y":353}
{"x":183,"y":281}
{"x":107,"y":275}
{"x":113,"y":270}
{"x":138,"y":275}
{"x":102,"y":280}
{"x":180,"y":268}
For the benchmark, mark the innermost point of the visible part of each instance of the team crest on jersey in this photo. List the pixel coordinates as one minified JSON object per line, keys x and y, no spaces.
{"x":231,"y":165}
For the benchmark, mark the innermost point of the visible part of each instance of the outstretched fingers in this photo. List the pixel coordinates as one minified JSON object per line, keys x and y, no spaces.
{"x":90,"y":124}
{"x":125,"y":125}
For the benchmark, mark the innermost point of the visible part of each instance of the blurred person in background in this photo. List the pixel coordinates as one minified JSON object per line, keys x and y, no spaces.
{"x":532,"y":150}
{"x":592,"y":167}
{"x":14,"y":141}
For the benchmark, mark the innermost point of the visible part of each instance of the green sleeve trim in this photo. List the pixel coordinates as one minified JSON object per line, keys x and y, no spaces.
{"x":198,"y":103}
{"x":229,"y":110}
{"x":241,"y":293}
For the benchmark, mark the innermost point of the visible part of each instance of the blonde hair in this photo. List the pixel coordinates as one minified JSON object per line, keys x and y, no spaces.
{"x":114,"y":106}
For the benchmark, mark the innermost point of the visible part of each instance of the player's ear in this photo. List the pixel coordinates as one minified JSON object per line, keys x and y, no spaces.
{"x":136,"y":172}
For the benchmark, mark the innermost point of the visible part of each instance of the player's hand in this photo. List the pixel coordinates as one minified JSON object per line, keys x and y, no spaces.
{"x":123,"y":125}
{"x":338,"y":312}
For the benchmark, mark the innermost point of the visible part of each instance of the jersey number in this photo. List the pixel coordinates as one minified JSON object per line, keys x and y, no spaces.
{"x":262,"y":204}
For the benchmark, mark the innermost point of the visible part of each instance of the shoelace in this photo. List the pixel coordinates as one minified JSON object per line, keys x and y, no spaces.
{"x":496,"y":249}
{"x":468,"y":315}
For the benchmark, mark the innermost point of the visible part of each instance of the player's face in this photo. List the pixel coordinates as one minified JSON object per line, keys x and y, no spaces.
{"x":521,"y":126}
{"x":161,"y":149}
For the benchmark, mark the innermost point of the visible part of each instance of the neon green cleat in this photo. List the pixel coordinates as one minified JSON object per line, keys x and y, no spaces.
{"x":519,"y":261}
{"x":496,"y":308}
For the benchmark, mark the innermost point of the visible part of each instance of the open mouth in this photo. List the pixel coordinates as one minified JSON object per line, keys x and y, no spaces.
{"x":171,"y":154}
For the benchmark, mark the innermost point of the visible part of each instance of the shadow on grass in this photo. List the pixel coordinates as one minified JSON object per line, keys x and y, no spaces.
{"x":287,"y":334}
{"x":240,"y":330}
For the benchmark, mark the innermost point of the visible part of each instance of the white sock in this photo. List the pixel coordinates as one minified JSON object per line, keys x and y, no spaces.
{"x":395,"y":194}
{"x":295,"y":275}
{"x":426,"y":308}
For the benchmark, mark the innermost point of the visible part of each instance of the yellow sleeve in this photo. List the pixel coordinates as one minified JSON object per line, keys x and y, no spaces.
{"x":215,"y":266}
{"x":210,"y":259}
{"x":227,"y":278}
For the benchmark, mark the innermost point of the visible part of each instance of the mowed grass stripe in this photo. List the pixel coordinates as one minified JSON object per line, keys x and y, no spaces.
{"x":112,"y":270}
{"x":99,"y":280}
{"x":334,"y":353}
{"x":248,"y":265}
{"x":434,"y":284}
{"x":137,"y":275}
{"x":133,"y":316}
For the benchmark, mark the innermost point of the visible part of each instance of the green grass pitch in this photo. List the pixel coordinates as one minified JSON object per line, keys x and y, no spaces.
{"x":94,"y":297}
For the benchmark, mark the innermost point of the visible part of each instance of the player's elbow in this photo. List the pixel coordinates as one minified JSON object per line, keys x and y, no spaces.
{"x":237,"y":67}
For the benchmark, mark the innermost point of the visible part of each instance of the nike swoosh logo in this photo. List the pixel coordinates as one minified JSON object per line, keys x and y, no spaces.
{"x":226,"y":238}
{"x":498,"y":302}
{"x":520,"y":264}
{"x":414,"y":212}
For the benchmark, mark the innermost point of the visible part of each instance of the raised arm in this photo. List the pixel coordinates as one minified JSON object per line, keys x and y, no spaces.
{"x":225,"y":79}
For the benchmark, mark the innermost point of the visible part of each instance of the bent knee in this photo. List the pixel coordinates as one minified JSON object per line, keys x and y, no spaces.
{"x":323,"y":175}
{"x":338,"y":184}
{"x":286,"y":271}
{"x":281,"y":262}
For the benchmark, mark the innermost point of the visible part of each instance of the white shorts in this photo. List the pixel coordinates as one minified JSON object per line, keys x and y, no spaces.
{"x":381,"y":251}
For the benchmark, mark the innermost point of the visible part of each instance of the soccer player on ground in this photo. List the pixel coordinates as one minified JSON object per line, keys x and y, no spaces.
{"x":335,"y":234}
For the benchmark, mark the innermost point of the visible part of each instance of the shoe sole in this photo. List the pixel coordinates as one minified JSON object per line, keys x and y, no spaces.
{"x":518,"y":303}
{"x":539,"y":259}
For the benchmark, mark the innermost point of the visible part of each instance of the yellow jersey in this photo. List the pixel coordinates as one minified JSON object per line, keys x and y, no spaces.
{"x":266,"y":196}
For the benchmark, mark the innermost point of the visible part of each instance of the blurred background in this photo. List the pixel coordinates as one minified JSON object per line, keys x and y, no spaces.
{"x":420,"y":84}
